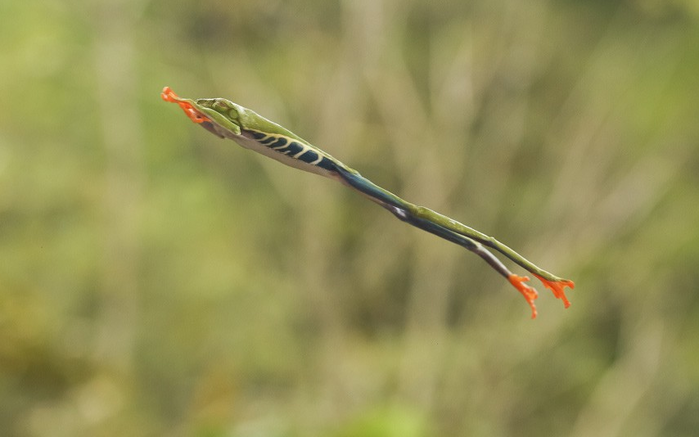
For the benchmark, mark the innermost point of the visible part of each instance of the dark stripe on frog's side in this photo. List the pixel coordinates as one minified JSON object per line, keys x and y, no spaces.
{"x":267,"y":141}
{"x":311,"y":157}
{"x":292,"y":148}
{"x":256,"y":135}
{"x":280,"y":143}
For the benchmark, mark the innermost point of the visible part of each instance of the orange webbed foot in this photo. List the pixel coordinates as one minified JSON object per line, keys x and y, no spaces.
{"x":558,"y":288}
{"x":169,"y":96}
{"x":528,"y":292}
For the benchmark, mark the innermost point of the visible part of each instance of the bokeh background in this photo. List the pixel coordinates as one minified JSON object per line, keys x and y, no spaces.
{"x":158,"y":281}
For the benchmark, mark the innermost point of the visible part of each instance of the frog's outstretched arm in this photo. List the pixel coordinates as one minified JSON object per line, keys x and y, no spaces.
{"x":252,"y":131}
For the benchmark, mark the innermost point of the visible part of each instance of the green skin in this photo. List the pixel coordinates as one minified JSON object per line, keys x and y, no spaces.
{"x":230,"y":120}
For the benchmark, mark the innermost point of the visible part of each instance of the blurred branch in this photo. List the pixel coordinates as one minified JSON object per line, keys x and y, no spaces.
{"x":621,"y":388}
{"x":124,"y":176}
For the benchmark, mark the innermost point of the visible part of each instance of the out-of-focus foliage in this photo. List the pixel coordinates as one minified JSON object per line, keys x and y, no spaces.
{"x":155,"y":280}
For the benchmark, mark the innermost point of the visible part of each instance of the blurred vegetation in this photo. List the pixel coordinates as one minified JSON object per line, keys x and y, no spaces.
{"x":155,"y":280}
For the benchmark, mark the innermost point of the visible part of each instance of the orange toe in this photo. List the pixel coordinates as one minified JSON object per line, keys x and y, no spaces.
{"x":169,"y":96}
{"x":558,"y":288}
{"x":528,"y":292}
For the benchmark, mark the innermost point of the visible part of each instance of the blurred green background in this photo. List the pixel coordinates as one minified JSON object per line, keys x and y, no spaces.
{"x":155,"y":280}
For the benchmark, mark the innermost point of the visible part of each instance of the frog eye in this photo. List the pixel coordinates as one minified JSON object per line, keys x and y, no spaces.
{"x":233,"y":114}
{"x":220,"y":105}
